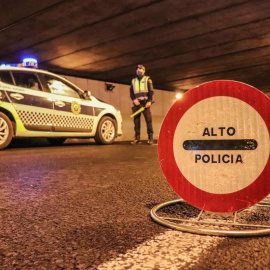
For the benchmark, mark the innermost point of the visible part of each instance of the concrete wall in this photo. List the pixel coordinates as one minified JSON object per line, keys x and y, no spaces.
{"x":119,"y":98}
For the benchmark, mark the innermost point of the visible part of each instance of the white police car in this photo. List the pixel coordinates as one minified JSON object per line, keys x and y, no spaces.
{"x":37,"y":103}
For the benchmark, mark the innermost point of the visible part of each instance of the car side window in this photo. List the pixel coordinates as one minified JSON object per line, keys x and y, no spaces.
{"x":27,"y":80}
{"x":5,"y":77}
{"x":59,"y":87}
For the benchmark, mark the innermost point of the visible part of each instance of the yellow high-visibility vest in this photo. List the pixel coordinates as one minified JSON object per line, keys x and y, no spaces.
{"x":140,"y":86}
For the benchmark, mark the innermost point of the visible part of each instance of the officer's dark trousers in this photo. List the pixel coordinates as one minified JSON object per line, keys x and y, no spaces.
{"x":137,"y":119}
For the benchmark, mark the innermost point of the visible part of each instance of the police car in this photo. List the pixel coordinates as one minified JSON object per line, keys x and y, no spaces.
{"x":38,"y":103}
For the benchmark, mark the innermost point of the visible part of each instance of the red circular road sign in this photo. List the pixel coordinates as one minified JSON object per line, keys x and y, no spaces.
{"x":214,"y":146}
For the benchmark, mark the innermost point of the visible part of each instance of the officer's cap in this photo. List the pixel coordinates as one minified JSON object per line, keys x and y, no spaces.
{"x":140,"y":66}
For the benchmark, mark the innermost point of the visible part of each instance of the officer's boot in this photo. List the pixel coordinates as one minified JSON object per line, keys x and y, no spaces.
{"x":150,"y":139}
{"x":137,"y":139}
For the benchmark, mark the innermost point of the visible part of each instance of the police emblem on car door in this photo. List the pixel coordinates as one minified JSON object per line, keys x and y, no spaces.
{"x":70,"y":112}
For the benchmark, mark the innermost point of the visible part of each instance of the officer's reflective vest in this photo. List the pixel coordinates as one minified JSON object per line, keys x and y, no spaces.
{"x":140,"y":87}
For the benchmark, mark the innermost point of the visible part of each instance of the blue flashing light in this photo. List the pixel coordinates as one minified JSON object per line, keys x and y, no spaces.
{"x":30,"y":62}
{"x":10,"y":65}
{"x":27,"y":62}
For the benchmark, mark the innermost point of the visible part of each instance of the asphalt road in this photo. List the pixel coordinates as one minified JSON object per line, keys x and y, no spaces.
{"x":84,"y":206}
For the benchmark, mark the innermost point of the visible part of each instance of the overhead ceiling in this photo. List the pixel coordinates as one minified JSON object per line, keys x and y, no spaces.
{"x":181,"y":43}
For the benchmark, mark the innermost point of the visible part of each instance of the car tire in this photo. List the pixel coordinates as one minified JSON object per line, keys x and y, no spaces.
{"x":56,"y":141}
{"x":6,"y":131}
{"x":106,"y":131}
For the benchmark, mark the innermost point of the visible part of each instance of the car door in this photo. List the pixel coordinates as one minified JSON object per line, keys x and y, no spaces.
{"x":33,"y":105}
{"x":71,"y":114}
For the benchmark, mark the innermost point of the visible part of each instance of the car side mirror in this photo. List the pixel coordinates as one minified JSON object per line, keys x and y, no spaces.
{"x":87,"y":94}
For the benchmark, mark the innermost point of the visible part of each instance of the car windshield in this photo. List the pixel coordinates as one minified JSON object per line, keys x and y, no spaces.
{"x":58,"y":87}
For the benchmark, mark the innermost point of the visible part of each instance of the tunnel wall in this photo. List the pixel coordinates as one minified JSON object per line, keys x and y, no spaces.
{"x":119,"y":98}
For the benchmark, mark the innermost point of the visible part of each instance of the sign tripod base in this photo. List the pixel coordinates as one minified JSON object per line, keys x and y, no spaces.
{"x":180,"y":215}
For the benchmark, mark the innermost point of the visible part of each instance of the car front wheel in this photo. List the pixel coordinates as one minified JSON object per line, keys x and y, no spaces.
{"x":106,"y":131}
{"x":6,"y":131}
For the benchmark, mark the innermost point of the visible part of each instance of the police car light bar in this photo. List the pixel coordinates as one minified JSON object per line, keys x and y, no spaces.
{"x":11,"y":65}
{"x":30,"y":62}
{"x":27,"y":62}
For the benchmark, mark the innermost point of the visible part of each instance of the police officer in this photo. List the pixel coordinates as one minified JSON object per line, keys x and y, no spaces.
{"x":141,"y":93}
{"x":33,"y":84}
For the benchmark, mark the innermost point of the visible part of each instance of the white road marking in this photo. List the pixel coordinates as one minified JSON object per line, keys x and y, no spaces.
{"x":171,"y":250}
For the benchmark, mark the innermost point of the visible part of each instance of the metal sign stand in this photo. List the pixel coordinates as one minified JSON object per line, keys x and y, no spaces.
{"x":215,"y":224}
